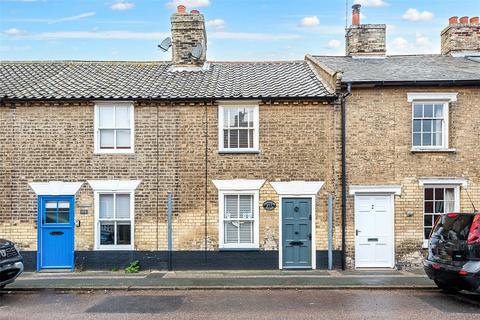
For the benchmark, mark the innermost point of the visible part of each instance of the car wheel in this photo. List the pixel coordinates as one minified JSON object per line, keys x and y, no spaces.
{"x":446,"y":287}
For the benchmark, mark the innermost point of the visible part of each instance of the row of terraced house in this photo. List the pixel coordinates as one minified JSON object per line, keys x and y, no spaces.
{"x":256,"y":156}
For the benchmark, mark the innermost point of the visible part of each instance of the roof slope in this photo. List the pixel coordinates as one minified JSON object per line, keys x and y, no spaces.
{"x":413,"y":68}
{"x":155,"y":80}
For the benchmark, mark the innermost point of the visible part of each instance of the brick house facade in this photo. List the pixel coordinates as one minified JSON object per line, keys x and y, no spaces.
{"x":225,"y":138}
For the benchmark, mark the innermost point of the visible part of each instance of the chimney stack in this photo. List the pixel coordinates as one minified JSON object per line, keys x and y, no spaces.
{"x":461,"y":37}
{"x":364,"y":40}
{"x":188,"y":32}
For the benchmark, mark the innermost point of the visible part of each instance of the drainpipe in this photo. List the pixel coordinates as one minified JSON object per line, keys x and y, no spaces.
{"x":344,"y":170}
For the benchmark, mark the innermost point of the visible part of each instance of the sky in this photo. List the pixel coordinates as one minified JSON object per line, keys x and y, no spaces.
{"x":237,"y":30}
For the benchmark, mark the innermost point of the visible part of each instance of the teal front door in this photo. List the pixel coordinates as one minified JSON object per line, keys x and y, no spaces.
{"x":296,"y":233}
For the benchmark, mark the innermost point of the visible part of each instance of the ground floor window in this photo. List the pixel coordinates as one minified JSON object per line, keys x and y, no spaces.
{"x":115,"y":219}
{"x":437,"y":201}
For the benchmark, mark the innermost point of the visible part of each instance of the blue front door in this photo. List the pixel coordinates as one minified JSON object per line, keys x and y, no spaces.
{"x":55,"y":239}
{"x":296,"y":233}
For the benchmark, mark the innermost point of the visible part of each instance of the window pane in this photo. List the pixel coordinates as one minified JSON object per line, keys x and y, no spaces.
{"x":106,"y":233}
{"x":225,"y":138}
{"x":250,"y":137}
{"x":449,"y":206}
{"x":437,"y":139}
{"x":107,"y":139}
{"x":417,"y":110}
{"x":428,"y":194}
{"x":427,"y":139}
{"x":450,"y":194}
{"x":428,"y":206}
{"x":246,"y":232}
{"x":123,"y":139}
{"x":246,"y":207}
{"x":417,"y":125}
{"x":427,"y":125}
{"x":243,"y":121}
{"x":106,"y":206}
{"x":439,"y":207}
{"x":439,"y":111}
{"x":250,"y":117}
{"x":417,"y":141}
{"x":234,"y":138}
{"x":428,"y":110}
{"x":243,"y":138}
{"x":428,"y":220}
{"x":63,"y":212}
{"x":51,"y":212}
{"x":124,"y":233}
{"x":105,"y":117}
{"x":231,"y":206}
{"x":439,"y":193}
{"x":123,"y":206}
{"x":122,"y":117}
{"x":233,"y":118}
{"x":231,"y":232}
{"x":427,"y":232}
{"x":226,"y":117}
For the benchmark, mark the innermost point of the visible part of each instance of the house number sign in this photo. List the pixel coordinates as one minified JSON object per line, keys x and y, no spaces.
{"x":269,"y":205}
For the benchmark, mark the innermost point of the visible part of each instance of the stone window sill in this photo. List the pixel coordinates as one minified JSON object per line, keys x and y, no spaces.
{"x":433,"y":150}
{"x":239,"y":152}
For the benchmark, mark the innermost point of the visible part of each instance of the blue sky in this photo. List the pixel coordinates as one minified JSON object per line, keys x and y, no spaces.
{"x":237,"y":29}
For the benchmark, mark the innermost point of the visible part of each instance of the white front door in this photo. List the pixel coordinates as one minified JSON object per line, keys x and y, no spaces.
{"x":374,"y":247}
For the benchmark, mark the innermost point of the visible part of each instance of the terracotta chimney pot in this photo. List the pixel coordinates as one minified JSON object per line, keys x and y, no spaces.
{"x":356,"y":14}
{"x":195,"y":12}
{"x":453,"y":20}
{"x":181,"y":8}
{"x":464,"y":20}
{"x":474,"y":20}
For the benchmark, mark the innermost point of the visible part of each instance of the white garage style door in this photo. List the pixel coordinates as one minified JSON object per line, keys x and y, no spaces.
{"x":374,"y":242}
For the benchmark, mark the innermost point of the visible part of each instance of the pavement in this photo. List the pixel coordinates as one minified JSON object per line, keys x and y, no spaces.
{"x":233,"y":280}
{"x":239,"y":304}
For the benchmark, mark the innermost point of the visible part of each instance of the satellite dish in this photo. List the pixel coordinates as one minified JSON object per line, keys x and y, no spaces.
{"x":197,"y":52}
{"x":165,"y":44}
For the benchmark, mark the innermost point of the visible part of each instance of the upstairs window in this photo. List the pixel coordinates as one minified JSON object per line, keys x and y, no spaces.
{"x":114,"y":127}
{"x":430,"y":125}
{"x":238,"y":128}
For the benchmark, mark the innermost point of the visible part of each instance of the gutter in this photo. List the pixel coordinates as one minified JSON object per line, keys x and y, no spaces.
{"x":344,"y":170}
{"x":415,"y":83}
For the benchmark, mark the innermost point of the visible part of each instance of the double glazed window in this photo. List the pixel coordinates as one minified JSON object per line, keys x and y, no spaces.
{"x":238,"y":219}
{"x":238,"y":128}
{"x":57,"y":212}
{"x":430,"y":125}
{"x":437,"y":201}
{"x":114,"y":127}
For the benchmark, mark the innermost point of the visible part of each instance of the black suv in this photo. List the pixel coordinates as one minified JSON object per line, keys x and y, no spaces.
{"x":454,"y":252}
{"x":11,"y":262}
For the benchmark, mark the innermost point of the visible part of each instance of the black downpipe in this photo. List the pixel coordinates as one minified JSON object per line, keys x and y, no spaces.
{"x":344,"y":170}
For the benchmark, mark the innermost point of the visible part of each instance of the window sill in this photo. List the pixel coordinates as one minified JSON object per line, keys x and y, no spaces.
{"x":115,"y":248}
{"x":238,"y":249}
{"x":415,"y":150}
{"x":128,"y":152}
{"x":238,"y":151}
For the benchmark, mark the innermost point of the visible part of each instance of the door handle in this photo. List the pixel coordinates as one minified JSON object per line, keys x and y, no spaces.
{"x":357,"y":232}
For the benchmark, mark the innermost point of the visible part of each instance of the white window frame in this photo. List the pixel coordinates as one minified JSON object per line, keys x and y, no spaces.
{"x":99,"y":150}
{"x":227,"y":104}
{"x":239,"y":187}
{"x":113,"y":187}
{"x":433,"y":98}
{"x":456,"y":196}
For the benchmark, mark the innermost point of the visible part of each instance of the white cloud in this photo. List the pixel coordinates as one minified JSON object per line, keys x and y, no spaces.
{"x":311,"y":21}
{"x":334,"y":44}
{"x":415,"y":15}
{"x":189,"y":3}
{"x":400,"y":44}
{"x":216,"y":23}
{"x":72,"y":18}
{"x":14,"y":32}
{"x":122,"y":6}
{"x":372,"y":3}
{"x":422,"y":41}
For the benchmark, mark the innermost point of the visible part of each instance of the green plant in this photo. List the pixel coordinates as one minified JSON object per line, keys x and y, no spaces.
{"x":134,"y":267}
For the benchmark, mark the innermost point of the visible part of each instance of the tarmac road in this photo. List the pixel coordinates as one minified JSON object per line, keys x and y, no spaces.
{"x":240,"y":304}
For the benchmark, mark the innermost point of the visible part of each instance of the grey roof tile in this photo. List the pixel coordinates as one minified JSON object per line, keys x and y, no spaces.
{"x":404,"y":68}
{"x":154,"y":80}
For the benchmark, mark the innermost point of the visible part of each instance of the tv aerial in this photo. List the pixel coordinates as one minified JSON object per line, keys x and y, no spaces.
{"x":196,"y":52}
{"x":165,"y":44}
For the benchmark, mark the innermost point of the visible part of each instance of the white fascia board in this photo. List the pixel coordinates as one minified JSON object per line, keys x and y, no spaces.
{"x":238,"y":184}
{"x":432,"y":96}
{"x":55,"y":188}
{"x":114,"y":185}
{"x":388,"y":189}
{"x":297,"y":187}
{"x":227,"y":103}
{"x":443,"y":181}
